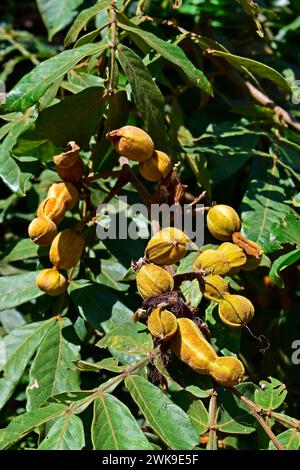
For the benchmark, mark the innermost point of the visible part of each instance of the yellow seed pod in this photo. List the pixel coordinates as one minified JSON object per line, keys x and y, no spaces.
{"x":42,"y":231}
{"x":52,"y":208}
{"x":66,"y":192}
{"x":52,"y":282}
{"x":235,"y":310}
{"x":212,"y":260}
{"x":153,"y":280}
{"x":157,"y":167}
{"x":227,"y":371}
{"x":66,"y":249}
{"x":234,"y":255}
{"x":214,"y":287}
{"x":252,"y":263}
{"x":167,"y":246}
{"x":162,"y":324}
{"x":223,"y":221}
{"x":132,"y":142}
{"x":191,"y":347}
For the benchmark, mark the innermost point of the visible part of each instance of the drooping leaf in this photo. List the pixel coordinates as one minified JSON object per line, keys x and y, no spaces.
{"x":257,"y":68}
{"x":83,"y":18}
{"x":34,"y":84}
{"x":146,"y":94}
{"x":114,"y":427}
{"x":263,"y":205}
{"x":281,"y":263}
{"x":50,"y":372}
{"x":252,"y":9}
{"x":18,"y":289}
{"x":172,"y":53}
{"x":22,"y":425}
{"x":66,"y":433}
{"x":167,"y":420}
{"x":19,"y":347}
{"x":10,"y":171}
{"x":57,"y":14}
{"x":271,"y":394}
{"x":74,"y":118}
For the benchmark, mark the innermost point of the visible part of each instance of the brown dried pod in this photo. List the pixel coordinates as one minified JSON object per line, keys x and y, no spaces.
{"x":42,"y":231}
{"x":132,"y":142}
{"x":52,"y":208}
{"x":67,"y":159}
{"x":248,"y":246}
{"x":153,"y":280}
{"x":74,"y":173}
{"x":66,"y":249}
{"x":223,"y":221}
{"x":235,"y":310}
{"x":157,"y":167}
{"x":167,"y":246}
{"x":51,"y":282}
{"x":162,"y":324}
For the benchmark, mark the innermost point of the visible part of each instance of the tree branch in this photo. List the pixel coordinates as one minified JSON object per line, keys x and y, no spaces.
{"x":113,"y":46}
{"x":212,"y":420}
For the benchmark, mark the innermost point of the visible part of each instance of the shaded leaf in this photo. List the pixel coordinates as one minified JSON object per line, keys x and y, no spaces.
{"x":83,"y":18}
{"x":21,"y":249}
{"x":22,"y":425}
{"x":34,"y":84}
{"x":199,"y":416}
{"x":20,"y":346}
{"x":290,"y":439}
{"x":18,"y":289}
{"x":167,"y":420}
{"x":281,"y":263}
{"x":114,"y":427}
{"x":50,"y":372}
{"x":65,"y":433}
{"x":57,"y":14}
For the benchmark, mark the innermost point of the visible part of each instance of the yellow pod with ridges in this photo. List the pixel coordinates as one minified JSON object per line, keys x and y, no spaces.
{"x":52,"y":282}
{"x":162,"y":324}
{"x":223,"y":221}
{"x":234,"y":255}
{"x":42,"y":231}
{"x":227,"y":371}
{"x":214,"y":287}
{"x":66,"y":249}
{"x":167,"y":246}
{"x":212,"y":260}
{"x":157,"y":167}
{"x":132,"y":142}
{"x":52,"y":208}
{"x":152,"y":280}
{"x":66,"y":192}
{"x":235,"y":310}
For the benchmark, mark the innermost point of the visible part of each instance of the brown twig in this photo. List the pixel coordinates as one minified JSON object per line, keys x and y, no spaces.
{"x":212,"y":420}
{"x":113,"y":46}
{"x":256,"y":410}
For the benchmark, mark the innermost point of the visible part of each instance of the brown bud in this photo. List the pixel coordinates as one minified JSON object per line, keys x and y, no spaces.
{"x":66,"y":192}
{"x":227,"y":371}
{"x":223,"y":221}
{"x":234,"y":256}
{"x":132,"y":142}
{"x":212,"y":260}
{"x":162,"y":324}
{"x":52,"y":208}
{"x":51,"y":282}
{"x":167,"y":246}
{"x":66,"y":249}
{"x":235,"y":310}
{"x":42,"y":231}
{"x":157,"y":167}
{"x":214,"y":287}
{"x":72,"y":174}
{"x":153,"y":280}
